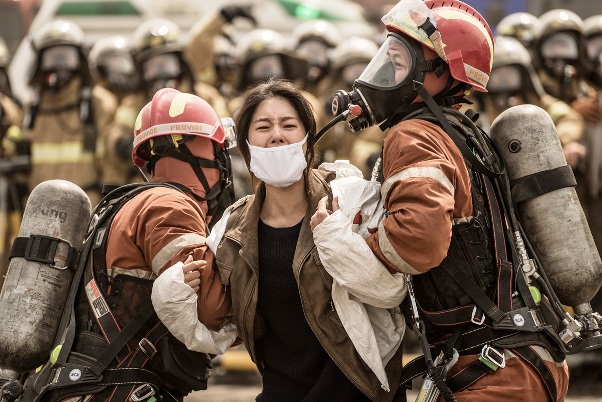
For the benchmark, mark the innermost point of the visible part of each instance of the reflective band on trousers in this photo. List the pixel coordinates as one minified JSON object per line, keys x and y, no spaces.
{"x":173,"y":247}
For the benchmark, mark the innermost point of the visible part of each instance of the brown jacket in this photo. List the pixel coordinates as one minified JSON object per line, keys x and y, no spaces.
{"x":238,"y":267}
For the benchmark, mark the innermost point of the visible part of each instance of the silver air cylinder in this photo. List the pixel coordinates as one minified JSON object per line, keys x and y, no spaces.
{"x":34,"y":293}
{"x":554,"y":222}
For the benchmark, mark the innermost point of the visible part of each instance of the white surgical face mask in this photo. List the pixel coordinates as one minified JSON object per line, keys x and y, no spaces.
{"x":278,"y":166}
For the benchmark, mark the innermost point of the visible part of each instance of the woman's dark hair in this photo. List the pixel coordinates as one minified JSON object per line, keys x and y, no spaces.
{"x":275,"y":88}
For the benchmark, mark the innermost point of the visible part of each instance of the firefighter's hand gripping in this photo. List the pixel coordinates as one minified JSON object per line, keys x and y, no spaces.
{"x":192,"y":273}
{"x":323,"y":212}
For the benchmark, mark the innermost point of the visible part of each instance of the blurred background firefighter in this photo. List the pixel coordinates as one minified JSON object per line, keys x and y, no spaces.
{"x":67,"y":119}
{"x":13,"y":163}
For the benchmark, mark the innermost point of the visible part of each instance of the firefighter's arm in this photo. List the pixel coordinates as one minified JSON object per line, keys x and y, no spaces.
{"x":199,"y":51}
{"x":418,"y":194}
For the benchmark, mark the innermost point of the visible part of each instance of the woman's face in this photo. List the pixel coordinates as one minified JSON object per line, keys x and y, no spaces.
{"x":275,"y":123}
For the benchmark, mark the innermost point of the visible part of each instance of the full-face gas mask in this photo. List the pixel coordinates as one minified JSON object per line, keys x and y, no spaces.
{"x":560,"y":53}
{"x":506,"y":87}
{"x":385,"y":84}
{"x":162,"y":71}
{"x":59,"y":64}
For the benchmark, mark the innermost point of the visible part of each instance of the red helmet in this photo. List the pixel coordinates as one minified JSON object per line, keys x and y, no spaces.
{"x":176,"y":114}
{"x":462,"y":37}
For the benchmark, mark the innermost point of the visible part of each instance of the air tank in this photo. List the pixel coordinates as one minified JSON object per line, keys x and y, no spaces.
{"x":34,"y":292}
{"x":554,"y":222}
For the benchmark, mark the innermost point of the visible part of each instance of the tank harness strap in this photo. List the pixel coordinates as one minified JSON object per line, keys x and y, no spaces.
{"x":504,"y":266}
{"x":42,"y":249}
{"x":539,"y":183}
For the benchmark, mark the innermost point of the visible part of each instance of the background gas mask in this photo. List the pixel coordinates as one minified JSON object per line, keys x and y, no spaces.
{"x":385,"y":84}
{"x":505,"y":87}
{"x":265,"y":67}
{"x":560,"y":54}
{"x":59,"y":64}
{"x":316,"y":53}
{"x":162,"y":71}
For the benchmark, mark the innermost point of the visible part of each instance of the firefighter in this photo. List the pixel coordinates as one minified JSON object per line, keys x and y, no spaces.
{"x":513,"y":81}
{"x":13,"y":184}
{"x":443,"y":218}
{"x":158,"y":51}
{"x":67,"y":120}
{"x":112,"y":65}
{"x":560,"y":59}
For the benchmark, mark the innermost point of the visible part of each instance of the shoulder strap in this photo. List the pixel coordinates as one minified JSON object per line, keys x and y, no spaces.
{"x":102,"y":217}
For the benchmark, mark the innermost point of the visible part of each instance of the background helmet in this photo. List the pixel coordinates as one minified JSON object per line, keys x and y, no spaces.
{"x":174,"y":115}
{"x":353,"y":50}
{"x":314,"y":38}
{"x":466,"y":42}
{"x":561,"y":40}
{"x":272,"y":47}
{"x":63,"y":35}
{"x":513,"y":73}
{"x":154,"y":37}
{"x":111,"y":53}
{"x":522,"y":26}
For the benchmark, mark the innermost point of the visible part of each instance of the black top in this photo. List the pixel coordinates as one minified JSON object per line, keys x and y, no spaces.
{"x":297,"y":368}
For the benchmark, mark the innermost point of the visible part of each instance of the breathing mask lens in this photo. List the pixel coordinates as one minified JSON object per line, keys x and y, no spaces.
{"x":161,"y":67}
{"x":505,"y":79}
{"x":118,"y":64}
{"x":265,"y":67}
{"x":315,"y":52}
{"x":560,"y":46}
{"x":390,"y":67}
{"x":60,"y":58}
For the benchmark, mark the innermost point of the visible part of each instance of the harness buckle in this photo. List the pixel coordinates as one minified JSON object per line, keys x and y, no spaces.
{"x":145,"y":343}
{"x":474,"y":319}
{"x":493,"y":356}
{"x":142,"y":393}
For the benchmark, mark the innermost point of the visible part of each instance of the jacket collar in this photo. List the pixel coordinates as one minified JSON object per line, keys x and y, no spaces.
{"x":245,"y":230}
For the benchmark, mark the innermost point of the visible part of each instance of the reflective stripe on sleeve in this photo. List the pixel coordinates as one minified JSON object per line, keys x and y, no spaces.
{"x":390,"y":254}
{"x":417,"y":171}
{"x":173,"y":247}
{"x":138,"y":273}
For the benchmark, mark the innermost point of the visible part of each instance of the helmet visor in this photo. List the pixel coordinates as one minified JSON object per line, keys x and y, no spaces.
{"x":60,"y":58}
{"x":560,"y":46}
{"x":266,"y":66}
{"x":391,"y":66}
{"x":314,"y":51}
{"x":161,"y":66}
{"x":118,"y":63}
{"x":505,"y":79}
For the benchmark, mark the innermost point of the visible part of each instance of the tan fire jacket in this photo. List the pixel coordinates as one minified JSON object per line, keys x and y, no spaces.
{"x":57,"y":139}
{"x":155,"y":230}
